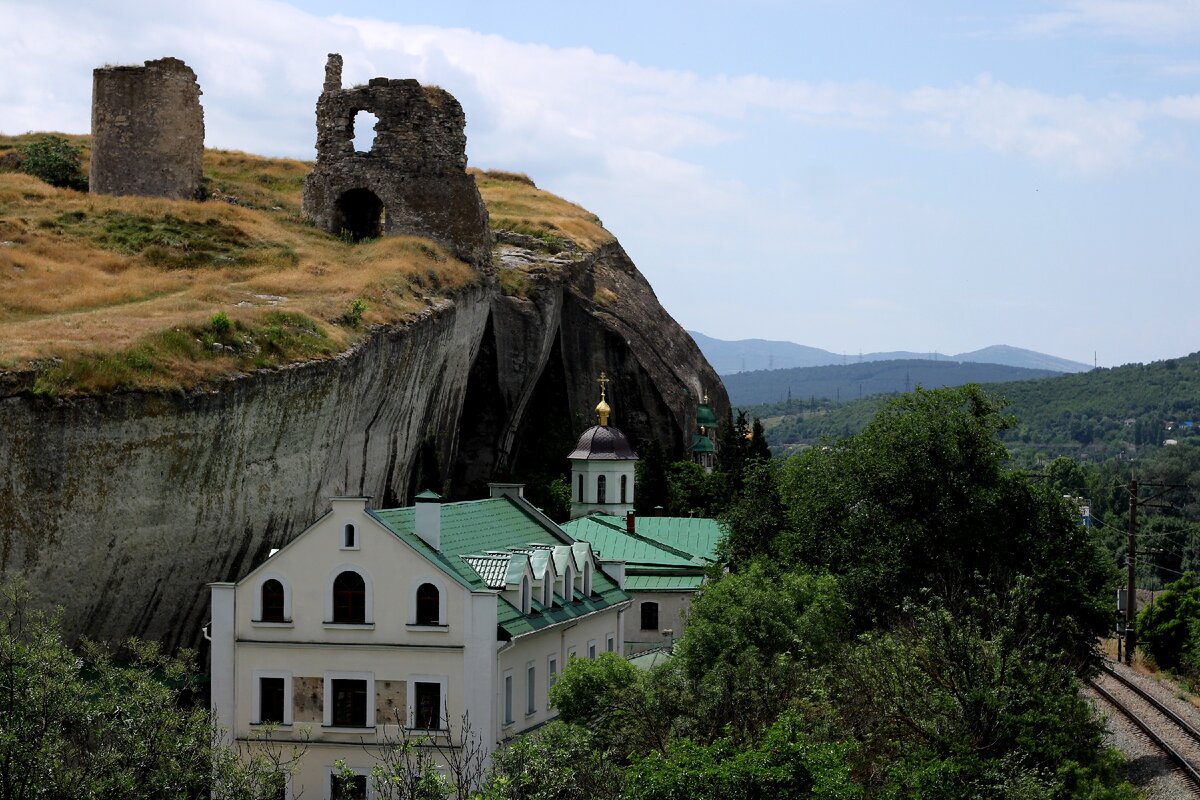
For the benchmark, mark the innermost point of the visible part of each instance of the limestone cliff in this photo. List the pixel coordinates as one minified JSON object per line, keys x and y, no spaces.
{"x":121,"y":507}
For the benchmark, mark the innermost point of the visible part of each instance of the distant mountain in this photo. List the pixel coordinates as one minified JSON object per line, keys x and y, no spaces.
{"x":852,"y":381}
{"x":1096,"y":415}
{"x":746,"y":355}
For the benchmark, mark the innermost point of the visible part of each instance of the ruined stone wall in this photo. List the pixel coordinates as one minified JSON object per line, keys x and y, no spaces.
{"x":147,"y":131}
{"x":416,"y":167}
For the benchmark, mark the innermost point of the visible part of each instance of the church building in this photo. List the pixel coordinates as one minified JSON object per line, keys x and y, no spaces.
{"x":373,"y":626}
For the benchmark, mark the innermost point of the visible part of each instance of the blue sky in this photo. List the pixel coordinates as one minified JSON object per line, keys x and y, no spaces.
{"x":848,"y":175}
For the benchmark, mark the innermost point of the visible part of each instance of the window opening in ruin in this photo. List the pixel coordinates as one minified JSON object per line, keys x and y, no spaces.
{"x":360,"y":215}
{"x":363,"y":130}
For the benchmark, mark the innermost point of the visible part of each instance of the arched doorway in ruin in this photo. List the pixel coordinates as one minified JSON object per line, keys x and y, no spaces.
{"x":359,"y":214}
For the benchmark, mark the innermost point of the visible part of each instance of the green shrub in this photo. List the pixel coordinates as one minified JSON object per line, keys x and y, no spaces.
{"x":56,"y":161}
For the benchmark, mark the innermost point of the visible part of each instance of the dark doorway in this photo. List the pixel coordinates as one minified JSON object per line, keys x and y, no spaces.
{"x":360,"y":215}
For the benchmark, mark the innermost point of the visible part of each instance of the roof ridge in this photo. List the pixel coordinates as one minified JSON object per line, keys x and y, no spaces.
{"x":647,"y":539}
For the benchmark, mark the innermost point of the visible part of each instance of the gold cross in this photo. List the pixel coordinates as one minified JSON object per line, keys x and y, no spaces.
{"x":603,"y":381}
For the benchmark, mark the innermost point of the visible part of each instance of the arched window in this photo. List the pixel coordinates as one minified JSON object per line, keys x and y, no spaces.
{"x":428,"y":604}
{"x":569,"y":584}
{"x":349,"y":598}
{"x":272,"y":601}
{"x":348,"y":538}
{"x":600,"y":489}
{"x":624,"y":481}
{"x":581,"y":488}
{"x":525,"y":601}
{"x":587,"y":579}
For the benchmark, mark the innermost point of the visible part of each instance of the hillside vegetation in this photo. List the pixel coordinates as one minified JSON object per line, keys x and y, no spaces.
{"x":105,"y":293}
{"x":852,"y":381}
{"x":1097,"y":414}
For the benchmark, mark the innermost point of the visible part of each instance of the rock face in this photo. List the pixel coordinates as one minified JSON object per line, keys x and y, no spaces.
{"x":413,"y":180}
{"x":147,"y":131}
{"x":120,"y":508}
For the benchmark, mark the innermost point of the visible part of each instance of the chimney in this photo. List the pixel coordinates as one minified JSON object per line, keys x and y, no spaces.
{"x":630,"y":522}
{"x":513,"y":490}
{"x":658,"y":511}
{"x":428,"y":518}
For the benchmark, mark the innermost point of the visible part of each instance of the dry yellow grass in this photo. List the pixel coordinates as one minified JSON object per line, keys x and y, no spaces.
{"x":97,"y":282}
{"x":514,"y":203}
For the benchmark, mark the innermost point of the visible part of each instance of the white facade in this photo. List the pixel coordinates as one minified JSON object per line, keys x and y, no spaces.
{"x":353,"y":631}
{"x":604,"y":485}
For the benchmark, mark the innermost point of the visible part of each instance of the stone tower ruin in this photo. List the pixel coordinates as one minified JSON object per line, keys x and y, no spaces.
{"x":147,"y":131}
{"x":412,"y":181}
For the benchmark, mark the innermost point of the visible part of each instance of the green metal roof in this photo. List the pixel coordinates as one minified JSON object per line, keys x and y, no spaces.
{"x":650,"y":658}
{"x":663,"y":583}
{"x":702,"y":444}
{"x":475,"y":530}
{"x":607,"y":536}
{"x":705,"y":416}
{"x":697,"y":537}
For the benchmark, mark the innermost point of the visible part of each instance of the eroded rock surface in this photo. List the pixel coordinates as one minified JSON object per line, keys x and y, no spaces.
{"x":121,"y":508}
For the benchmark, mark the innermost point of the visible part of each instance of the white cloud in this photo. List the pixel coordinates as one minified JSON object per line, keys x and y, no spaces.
{"x":1186,"y":107}
{"x":1072,"y":131}
{"x":1128,"y":19}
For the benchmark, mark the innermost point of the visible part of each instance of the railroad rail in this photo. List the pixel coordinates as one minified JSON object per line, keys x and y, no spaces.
{"x":1154,"y":732}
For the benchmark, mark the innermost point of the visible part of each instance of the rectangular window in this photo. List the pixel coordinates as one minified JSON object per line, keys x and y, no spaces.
{"x":427,"y":702}
{"x":649,"y":616}
{"x":349,"y":703}
{"x":530,"y":689}
{"x":508,"y":699}
{"x":570,"y":653}
{"x":610,"y":642}
{"x":551,"y":671}
{"x":352,"y":788}
{"x":592,"y":649}
{"x":270,"y":700}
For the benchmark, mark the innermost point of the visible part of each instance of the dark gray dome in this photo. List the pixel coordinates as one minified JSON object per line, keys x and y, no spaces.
{"x":603,"y":442}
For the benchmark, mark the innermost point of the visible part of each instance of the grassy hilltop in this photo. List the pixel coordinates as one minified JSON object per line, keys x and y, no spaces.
{"x":105,"y":293}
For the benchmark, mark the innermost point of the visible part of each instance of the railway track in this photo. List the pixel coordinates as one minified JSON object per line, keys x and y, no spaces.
{"x":1169,"y":732}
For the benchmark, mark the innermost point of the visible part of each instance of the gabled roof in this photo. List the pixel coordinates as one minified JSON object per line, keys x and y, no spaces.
{"x":608,"y":537}
{"x":664,"y":554}
{"x":484,"y":541}
{"x":693,"y":538}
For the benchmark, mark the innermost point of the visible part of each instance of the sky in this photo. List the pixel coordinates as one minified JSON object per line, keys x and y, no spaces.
{"x":845,"y":174}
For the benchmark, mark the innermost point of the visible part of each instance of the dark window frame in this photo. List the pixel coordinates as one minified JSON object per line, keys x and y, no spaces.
{"x":271,"y":700}
{"x":601,"y":490}
{"x":649,"y":611}
{"x":274,"y":604}
{"x":338,"y":790}
{"x":427,"y":705}
{"x":349,"y":598}
{"x":348,"y":702}
{"x":429,"y":605}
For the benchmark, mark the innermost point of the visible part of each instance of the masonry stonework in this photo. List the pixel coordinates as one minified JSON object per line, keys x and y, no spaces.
{"x":412,"y":181}
{"x":147,"y":131}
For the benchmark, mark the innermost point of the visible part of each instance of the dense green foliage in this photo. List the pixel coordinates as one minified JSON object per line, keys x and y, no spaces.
{"x":901,"y":615}
{"x":846,"y":382}
{"x":90,"y":724}
{"x":54,"y":160}
{"x":1169,"y":629}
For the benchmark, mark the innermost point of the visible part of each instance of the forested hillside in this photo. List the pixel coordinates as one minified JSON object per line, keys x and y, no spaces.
{"x":852,"y":381}
{"x":1117,"y":412}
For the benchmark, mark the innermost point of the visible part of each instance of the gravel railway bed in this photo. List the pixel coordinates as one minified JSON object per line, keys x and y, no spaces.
{"x":1149,"y":766}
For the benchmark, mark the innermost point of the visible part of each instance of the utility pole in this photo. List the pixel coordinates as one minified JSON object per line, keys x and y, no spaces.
{"x":1131,"y":563}
{"x":1131,"y":555}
